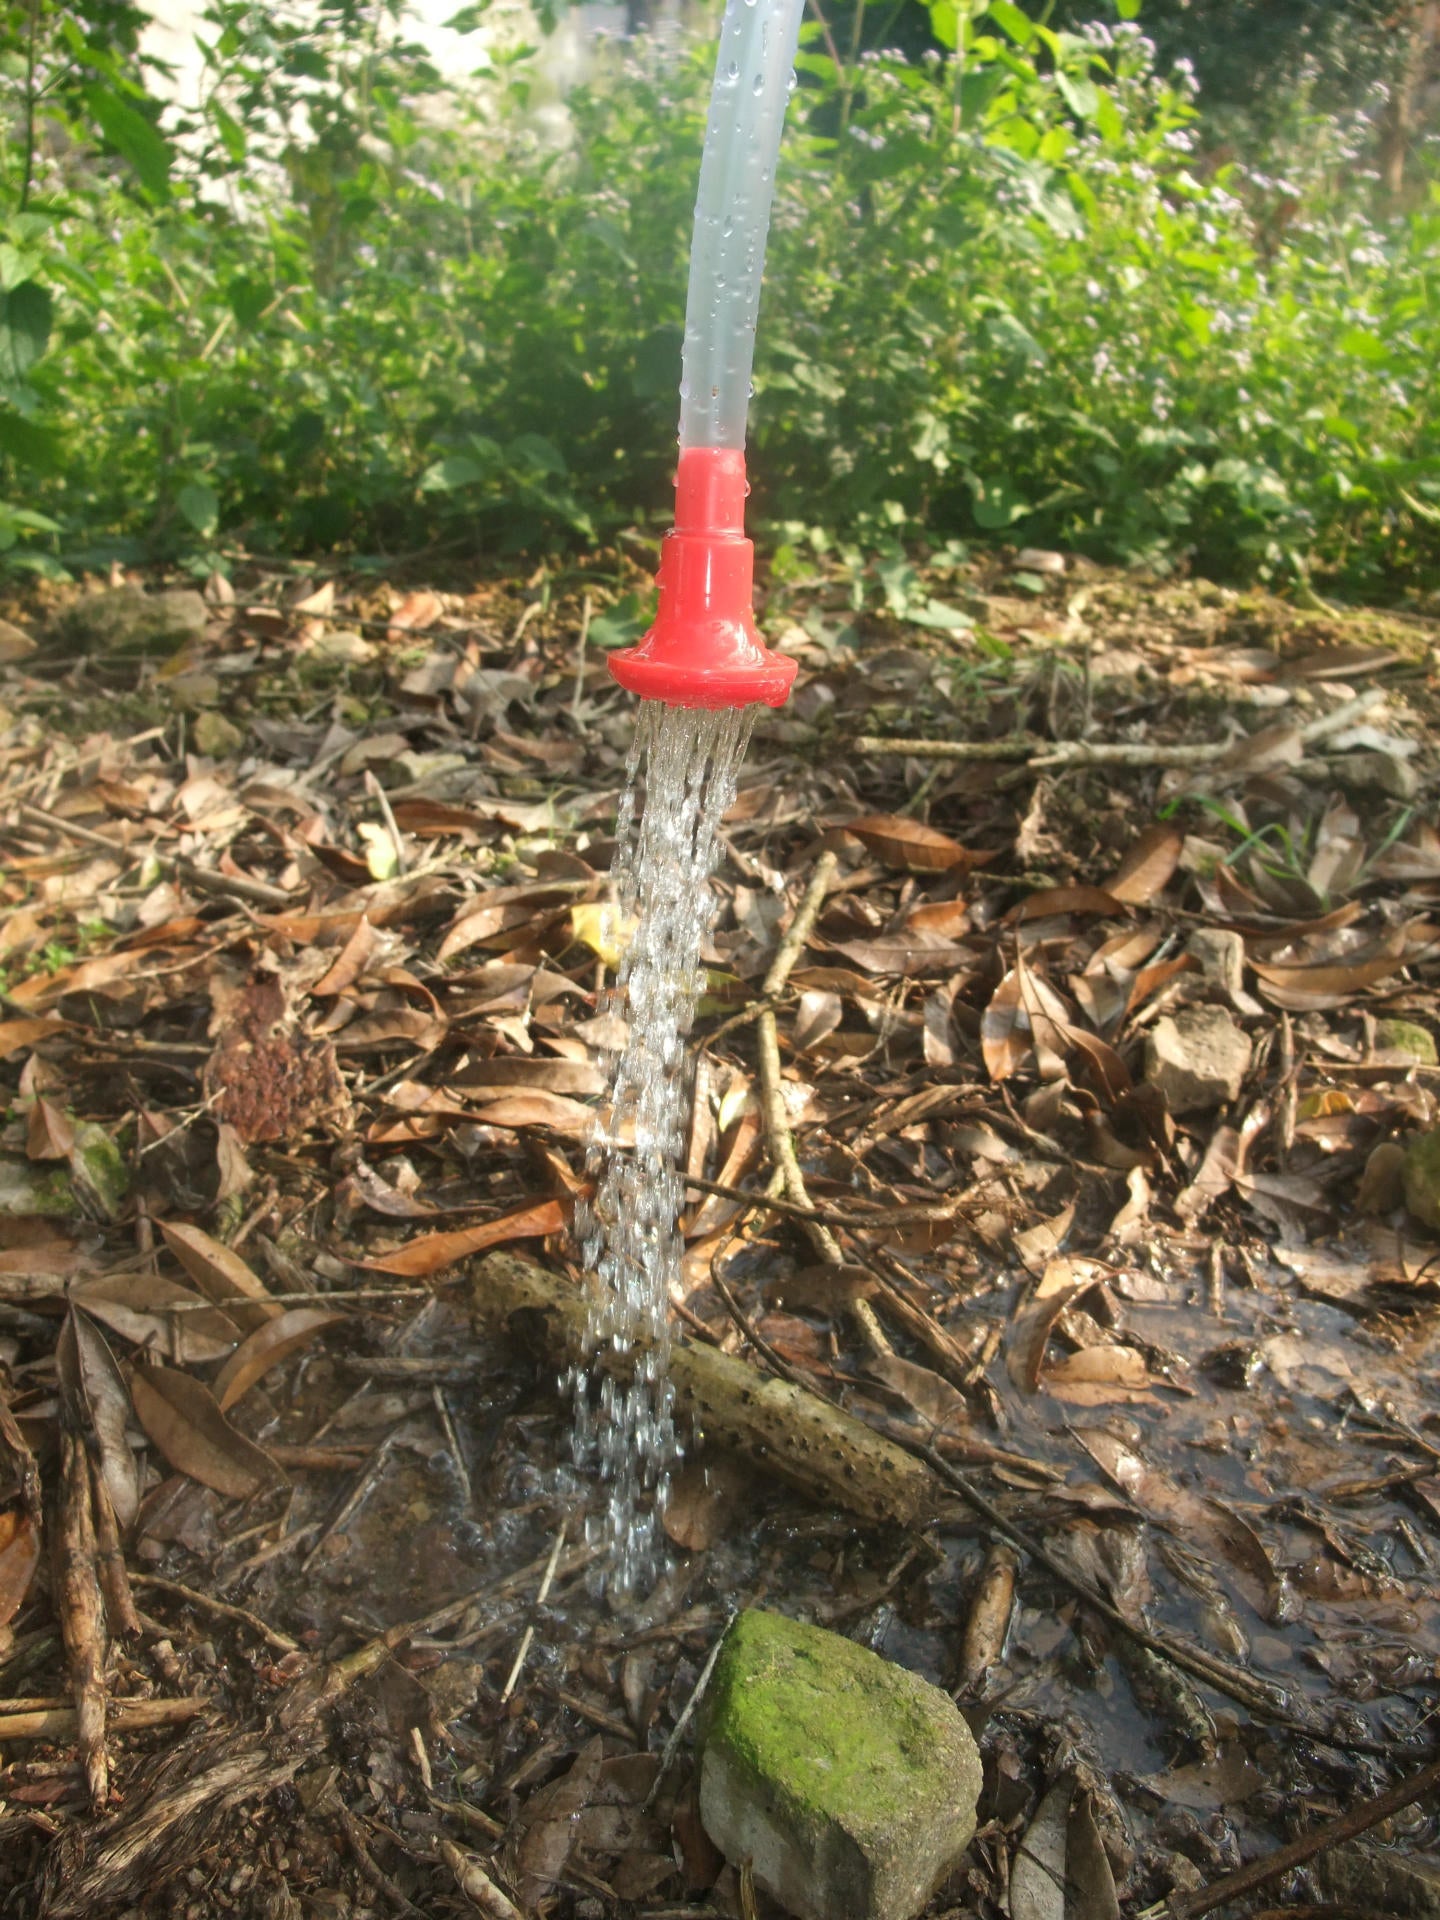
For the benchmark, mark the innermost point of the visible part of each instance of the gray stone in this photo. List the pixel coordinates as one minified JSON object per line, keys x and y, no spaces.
{"x":848,"y":1783}
{"x":1221,"y":956}
{"x":1197,"y":1060}
{"x":1377,"y":771}
{"x":127,"y":620}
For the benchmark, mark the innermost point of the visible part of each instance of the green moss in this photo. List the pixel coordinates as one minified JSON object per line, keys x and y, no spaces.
{"x":821,"y":1724}
{"x":1405,"y":1036}
{"x":102,"y":1178}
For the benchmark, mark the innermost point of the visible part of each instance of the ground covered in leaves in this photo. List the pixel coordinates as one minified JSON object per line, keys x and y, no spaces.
{"x":1108,"y":1062}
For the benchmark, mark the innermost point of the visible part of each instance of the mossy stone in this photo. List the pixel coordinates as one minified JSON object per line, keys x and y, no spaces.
{"x":1422,"y":1177}
{"x":849,"y":1784}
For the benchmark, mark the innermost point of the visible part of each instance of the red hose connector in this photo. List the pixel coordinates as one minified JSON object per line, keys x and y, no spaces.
{"x":703,"y":650}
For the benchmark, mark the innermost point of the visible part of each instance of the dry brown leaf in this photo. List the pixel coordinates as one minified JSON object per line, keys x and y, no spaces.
{"x":906,"y":843}
{"x":948,"y":918}
{"x":19,"y":1557}
{"x":18,"y":1036}
{"x":220,"y":1273}
{"x":417,"y":611}
{"x":1089,"y":1880}
{"x":1095,"y":1376}
{"x":97,"y":1398}
{"x":705,"y":1497}
{"x":410,"y":1028}
{"x":1060,"y":900}
{"x":270,"y":1343}
{"x":922,"y":1389}
{"x":161,"y":1315}
{"x":350,"y":963}
{"x":914,"y":952}
{"x":1214,"y":1176}
{"x":1037,"y":1873}
{"x":434,"y":1252}
{"x":1005,"y":1030}
{"x":50,"y":1134}
{"x":1311,"y":989}
{"x":1193,"y":1517}
{"x":549,"y":1821}
{"x":538,"y":1109}
{"x":1037,"y":1246}
{"x":1062,"y":1284}
{"x":1148,"y":867}
{"x":574,"y":1077}
{"x":184,"y":1419}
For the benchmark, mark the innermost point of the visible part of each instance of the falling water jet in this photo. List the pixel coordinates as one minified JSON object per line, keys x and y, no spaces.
{"x":699,"y":672}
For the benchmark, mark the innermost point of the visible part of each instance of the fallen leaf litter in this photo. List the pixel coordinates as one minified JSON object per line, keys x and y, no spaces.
{"x":301,"y":1017}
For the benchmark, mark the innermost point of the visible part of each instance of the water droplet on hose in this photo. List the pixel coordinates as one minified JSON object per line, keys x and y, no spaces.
{"x":757,"y":85}
{"x":684,"y":389}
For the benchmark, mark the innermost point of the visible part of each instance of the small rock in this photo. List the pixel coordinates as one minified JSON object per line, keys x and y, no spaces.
{"x":848,"y":1783}
{"x":1038,"y":560}
{"x":1382,"y":1185}
{"x":1197,"y":1059}
{"x":127,"y":620}
{"x":1404,"y":1036}
{"x":1221,"y":956}
{"x":217,"y":736}
{"x":1378,"y":772}
{"x":1422,"y":1176}
{"x":340,"y":646}
{"x":15,"y":643}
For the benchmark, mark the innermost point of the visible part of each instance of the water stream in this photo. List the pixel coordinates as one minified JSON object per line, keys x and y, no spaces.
{"x":629,"y":1235}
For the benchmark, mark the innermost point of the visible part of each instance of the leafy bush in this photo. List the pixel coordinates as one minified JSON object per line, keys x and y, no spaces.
{"x":347,"y":305}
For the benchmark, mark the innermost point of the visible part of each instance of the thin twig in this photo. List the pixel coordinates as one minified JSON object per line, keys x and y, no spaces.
{"x":922,"y":1214}
{"x":208,"y":879}
{"x":541,"y":1595}
{"x":272,"y":1636}
{"x":697,"y":1693}
{"x":806,"y":914}
{"x":1042,"y":754}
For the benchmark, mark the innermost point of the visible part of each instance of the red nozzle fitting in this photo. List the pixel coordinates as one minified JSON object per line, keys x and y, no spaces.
{"x":703,"y":650}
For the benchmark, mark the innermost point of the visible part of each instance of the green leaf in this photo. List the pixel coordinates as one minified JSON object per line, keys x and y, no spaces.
{"x":456,"y":470}
{"x":1080,"y":95}
{"x":938,"y":617}
{"x":1128,"y":9}
{"x":15,"y":266}
{"x":945,"y":23}
{"x":1361,"y":344}
{"x":624,"y":623}
{"x":1009,"y":17}
{"x":249,"y":299}
{"x":200,"y":504}
{"x":28,"y":444}
{"x":232,"y":134}
{"x":133,"y":137}
{"x":25,"y":316}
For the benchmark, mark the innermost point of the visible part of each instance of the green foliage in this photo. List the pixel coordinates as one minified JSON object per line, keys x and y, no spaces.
{"x":346,"y":305}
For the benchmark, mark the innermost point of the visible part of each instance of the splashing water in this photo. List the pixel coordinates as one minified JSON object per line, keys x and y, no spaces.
{"x":629,"y":1236}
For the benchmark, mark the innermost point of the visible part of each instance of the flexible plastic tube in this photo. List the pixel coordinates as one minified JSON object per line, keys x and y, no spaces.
{"x":753,"y":80}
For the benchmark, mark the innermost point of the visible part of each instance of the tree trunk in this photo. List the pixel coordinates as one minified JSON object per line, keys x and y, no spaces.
{"x":1419,"y":22}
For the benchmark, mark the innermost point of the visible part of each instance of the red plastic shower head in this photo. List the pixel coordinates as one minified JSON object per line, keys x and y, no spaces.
{"x":703,"y":650}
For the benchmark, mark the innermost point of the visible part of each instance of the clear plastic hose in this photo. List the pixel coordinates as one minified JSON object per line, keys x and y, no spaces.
{"x":753,"y":80}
